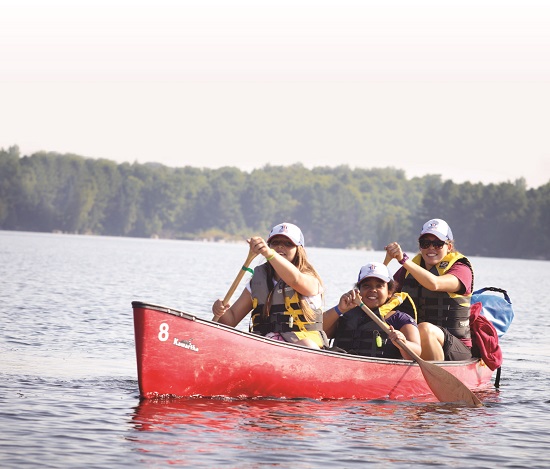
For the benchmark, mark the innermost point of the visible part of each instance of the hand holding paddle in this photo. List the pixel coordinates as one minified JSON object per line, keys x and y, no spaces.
{"x":445,"y":386}
{"x":238,"y":278}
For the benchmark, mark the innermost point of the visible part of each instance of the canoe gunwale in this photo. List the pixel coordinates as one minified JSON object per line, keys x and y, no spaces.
{"x":253,"y":336}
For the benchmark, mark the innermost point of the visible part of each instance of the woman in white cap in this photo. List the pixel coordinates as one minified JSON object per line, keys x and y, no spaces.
{"x":440,"y":281}
{"x":285,"y":294}
{"x":355,"y":332}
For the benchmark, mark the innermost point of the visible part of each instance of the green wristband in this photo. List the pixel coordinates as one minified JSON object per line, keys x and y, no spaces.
{"x":247,"y":269}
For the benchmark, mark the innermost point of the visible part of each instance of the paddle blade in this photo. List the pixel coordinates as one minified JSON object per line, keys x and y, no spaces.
{"x":447,"y":387}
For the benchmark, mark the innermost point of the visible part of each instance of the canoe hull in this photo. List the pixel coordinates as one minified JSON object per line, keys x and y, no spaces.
{"x":181,"y":355}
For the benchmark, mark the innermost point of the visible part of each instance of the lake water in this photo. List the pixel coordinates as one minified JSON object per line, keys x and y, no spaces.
{"x":69,"y":393}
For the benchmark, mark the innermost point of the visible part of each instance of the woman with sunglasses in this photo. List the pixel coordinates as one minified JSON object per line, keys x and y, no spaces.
{"x":440,"y":281}
{"x":285,"y":294}
{"x":356,"y":333}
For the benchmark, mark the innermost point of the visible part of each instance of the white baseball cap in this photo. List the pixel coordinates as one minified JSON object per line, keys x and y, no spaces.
{"x":374,"y":269}
{"x":438,"y":228}
{"x":289,"y":230}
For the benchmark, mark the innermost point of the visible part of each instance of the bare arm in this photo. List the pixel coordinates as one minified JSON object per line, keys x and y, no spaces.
{"x":330,"y":316}
{"x":233,"y":314}
{"x":408,"y":334}
{"x":446,"y":283}
{"x":303,"y":283}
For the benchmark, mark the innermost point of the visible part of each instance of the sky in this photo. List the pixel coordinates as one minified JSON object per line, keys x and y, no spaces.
{"x":456,"y":88}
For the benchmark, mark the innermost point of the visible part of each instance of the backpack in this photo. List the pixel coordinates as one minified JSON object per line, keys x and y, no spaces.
{"x":498,"y":310}
{"x":484,"y":338}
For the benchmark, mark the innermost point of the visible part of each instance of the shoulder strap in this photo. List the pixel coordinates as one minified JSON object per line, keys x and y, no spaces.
{"x":495,"y":289}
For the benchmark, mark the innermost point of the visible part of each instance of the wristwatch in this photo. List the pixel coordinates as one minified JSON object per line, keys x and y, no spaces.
{"x":405,"y":258}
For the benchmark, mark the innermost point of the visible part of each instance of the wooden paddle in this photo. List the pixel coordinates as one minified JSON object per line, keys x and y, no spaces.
{"x":238,"y":278}
{"x":445,"y":386}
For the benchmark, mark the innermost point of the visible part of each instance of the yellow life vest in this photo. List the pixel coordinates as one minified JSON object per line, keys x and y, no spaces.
{"x":285,"y":314}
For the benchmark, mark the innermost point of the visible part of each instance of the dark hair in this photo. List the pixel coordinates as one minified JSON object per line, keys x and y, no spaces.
{"x":391,"y":284}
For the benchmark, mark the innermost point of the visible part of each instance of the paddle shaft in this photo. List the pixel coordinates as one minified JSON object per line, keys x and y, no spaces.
{"x":387,"y":329}
{"x":445,"y":386}
{"x":238,"y":278}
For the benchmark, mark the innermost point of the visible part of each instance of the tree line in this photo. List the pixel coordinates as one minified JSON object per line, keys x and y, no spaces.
{"x":335,"y":207}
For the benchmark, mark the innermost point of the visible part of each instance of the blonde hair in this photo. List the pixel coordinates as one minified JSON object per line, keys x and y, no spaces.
{"x":302,"y":263}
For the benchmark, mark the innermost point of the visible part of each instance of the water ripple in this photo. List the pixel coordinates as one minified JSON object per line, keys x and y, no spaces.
{"x":69,"y":392}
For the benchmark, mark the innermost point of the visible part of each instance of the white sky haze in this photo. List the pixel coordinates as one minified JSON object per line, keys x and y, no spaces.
{"x":457,"y":88}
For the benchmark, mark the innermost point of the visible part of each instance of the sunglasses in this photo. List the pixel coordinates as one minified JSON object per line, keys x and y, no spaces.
{"x":281,"y":242}
{"x":426,"y":243}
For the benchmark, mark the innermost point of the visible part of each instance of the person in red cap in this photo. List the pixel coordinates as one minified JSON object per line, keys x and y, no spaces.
{"x":285,"y":294}
{"x":440,"y":281}
{"x":356,"y":333}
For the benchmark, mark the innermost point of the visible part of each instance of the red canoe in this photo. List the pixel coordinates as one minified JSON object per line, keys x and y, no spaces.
{"x":181,"y":355}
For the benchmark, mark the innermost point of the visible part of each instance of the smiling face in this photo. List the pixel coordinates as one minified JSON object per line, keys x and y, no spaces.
{"x":374,"y":292}
{"x":433,"y":250}
{"x":284,"y":247}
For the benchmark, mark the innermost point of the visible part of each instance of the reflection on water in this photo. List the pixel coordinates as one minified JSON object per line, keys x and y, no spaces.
{"x":192,"y":427}
{"x":68,"y":378}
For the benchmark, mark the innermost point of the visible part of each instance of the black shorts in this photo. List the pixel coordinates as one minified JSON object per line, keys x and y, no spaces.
{"x":453,"y":348}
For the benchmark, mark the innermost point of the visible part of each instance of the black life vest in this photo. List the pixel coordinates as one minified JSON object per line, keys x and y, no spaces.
{"x":448,"y":310}
{"x":358,"y":334}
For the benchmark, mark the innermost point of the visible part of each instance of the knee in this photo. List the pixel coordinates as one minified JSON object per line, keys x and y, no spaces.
{"x":428,"y":330}
{"x":425,"y":328}
{"x":308,"y":343}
